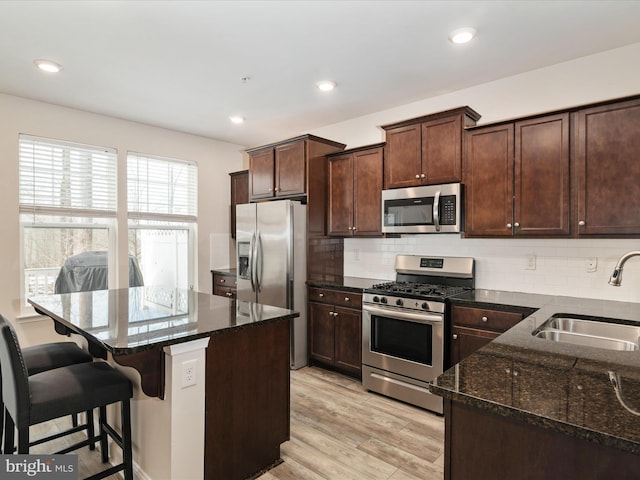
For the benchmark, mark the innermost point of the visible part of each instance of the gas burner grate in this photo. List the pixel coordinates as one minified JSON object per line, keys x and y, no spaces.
{"x":419,"y":289}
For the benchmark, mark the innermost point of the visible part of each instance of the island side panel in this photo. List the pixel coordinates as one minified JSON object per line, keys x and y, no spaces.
{"x":247,"y":400}
{"x":485,"y":446}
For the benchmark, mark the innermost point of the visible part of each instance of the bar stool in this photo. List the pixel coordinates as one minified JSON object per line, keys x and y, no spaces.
{"x":48,"y":356}
{"x":52,"y":394}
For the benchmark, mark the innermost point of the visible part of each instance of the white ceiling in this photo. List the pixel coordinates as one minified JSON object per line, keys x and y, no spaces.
{"x":179,"y":64}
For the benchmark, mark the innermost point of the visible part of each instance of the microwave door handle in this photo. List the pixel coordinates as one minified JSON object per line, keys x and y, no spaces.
{"x":436,"y":211}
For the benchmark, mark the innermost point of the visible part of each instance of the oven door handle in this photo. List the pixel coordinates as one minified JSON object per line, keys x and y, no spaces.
{"x":429,"y":318}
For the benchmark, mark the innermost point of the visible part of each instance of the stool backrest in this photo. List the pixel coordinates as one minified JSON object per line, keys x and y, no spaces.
{"x":15,"y":379}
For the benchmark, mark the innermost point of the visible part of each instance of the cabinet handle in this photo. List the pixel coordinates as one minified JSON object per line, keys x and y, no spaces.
{"x":335,"y":314}
{"x":515,"y":373}
{"x":509,"y":225}
{"x":321,"y":295}
{"x":222,"y":280}
{"x":507,"y":371}
{"x":346,"y":299}
{"x":271,"y":189}
{"x":417,"y":175}
{"x":455,"y":336}
{"x":423,"y":175}
{"x":229,"y":294}
{"x":484,"y":319}
{"x":517,"y":225}
{"x":582,"y":223}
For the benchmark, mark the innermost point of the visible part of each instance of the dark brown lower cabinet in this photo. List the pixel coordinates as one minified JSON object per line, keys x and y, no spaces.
{"x":335,"y":331}
{"x":485,"y":446}
{"x":473,"y":327}
{"x":247,"y":400}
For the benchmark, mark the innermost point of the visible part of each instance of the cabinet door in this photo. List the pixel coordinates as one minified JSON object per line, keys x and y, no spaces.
{"x":239,"y":195}
{"x":465,"y":341}
{"x":367,"y":194}
{"x":341,"y":195}
{"x":488,"y":173}
{"x":290,"y":169}
{"x":542,"y":176}
{"x":321,"y":332}
{"x":403,"y":157}
{"x":261,"y":172}
{"x":348,"y":339}
{"x":607,"y":169}
{"x":442,"y":150}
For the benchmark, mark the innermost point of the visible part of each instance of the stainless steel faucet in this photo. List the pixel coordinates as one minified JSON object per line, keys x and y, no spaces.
{"x":616,"y":276}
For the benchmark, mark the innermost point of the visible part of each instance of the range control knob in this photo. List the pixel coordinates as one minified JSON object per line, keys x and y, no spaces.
{"x":383,"y":300}
{"x":425,"y":306}
{"x":399,"y":302}
{"x":376,"y":299}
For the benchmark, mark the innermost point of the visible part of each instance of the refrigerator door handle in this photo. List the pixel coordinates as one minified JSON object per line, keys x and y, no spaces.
{"x":252,"y":257}
{"x":258,"y":262}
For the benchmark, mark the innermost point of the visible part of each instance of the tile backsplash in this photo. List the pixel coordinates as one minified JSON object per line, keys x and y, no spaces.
{"x":545,"y":266}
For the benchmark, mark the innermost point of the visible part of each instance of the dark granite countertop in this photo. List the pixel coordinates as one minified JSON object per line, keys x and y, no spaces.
{"x":554,"y":385}
{"x":351,"y":284}
{"x":131,"y":320}
{"x":224,"y":271}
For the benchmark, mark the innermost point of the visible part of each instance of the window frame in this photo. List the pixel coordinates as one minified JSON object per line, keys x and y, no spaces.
{"x":106,"y":217}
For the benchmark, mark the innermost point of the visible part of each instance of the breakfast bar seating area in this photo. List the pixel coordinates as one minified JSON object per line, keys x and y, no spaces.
{"x":58,"y":392}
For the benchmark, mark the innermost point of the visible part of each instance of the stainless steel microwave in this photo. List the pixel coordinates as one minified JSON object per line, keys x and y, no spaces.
{"x":425,"y":209}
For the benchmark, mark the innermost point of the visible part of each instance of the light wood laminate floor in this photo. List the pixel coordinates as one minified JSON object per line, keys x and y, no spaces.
{"x":339,"y":431}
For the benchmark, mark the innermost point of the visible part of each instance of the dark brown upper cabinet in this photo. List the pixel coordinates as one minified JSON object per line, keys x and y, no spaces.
{"x":607,"y":169}
{"x":426,"y":150}
{"x":239,"y":194}
{"x":280,"y":170}
{"x":355,"y":192}
{"x":516,"y":178}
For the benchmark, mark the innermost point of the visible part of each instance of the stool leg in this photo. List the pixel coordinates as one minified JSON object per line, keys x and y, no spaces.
{"x":91,"y":433}
{"x":9,"y":429}
{"x":23,"y":440}
{"x":103,"y":435}
{"x":126,"y":440}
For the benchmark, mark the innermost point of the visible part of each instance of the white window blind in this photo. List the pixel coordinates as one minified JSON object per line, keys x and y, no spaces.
{"x":161,"y":189}
{"x":65,"y":178}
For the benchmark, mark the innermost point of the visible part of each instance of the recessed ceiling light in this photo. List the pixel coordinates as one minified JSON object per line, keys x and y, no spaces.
{"x":236,"y":119}
{"x":48,"y":66}
{"x":462,"y":35}
{"x":326,"y":85}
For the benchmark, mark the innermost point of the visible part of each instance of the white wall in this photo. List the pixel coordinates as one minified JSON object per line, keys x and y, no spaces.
{"x":500,"y":264}
{"x":215,"y":160}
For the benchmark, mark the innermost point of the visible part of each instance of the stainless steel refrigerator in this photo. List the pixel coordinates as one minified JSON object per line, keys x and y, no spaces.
{"x":271,"y":262}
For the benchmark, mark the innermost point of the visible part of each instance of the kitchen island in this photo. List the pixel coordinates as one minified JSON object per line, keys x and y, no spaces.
{"x":211,"y":375}
{"x":530,"y":408}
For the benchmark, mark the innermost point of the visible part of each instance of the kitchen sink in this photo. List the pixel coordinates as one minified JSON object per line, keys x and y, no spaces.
{"x":599,"y":333}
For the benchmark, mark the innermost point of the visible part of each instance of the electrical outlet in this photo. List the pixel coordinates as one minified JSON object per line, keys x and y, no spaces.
{"x":189,"y":373}
{"x":591,"y":264}
{"x":531,"y":263}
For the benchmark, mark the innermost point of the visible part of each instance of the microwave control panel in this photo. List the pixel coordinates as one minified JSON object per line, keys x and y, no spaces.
{"x":448,"y":210}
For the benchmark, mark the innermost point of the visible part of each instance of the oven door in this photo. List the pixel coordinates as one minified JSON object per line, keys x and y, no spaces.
{"x":403,"y":342}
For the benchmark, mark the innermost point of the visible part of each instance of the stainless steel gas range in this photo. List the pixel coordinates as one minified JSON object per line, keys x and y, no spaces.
{"x":403,"y":326}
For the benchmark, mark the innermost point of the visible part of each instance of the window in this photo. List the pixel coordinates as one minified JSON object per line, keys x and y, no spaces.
{"x":67,"y":197}
{"x":162,"y":210}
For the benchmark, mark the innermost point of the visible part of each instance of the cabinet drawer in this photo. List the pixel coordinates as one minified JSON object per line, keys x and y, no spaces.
{"x":224,"y":291}
{"x":335,"y":297}
{"x":496,"y":320}
{"x":224,"y":280}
